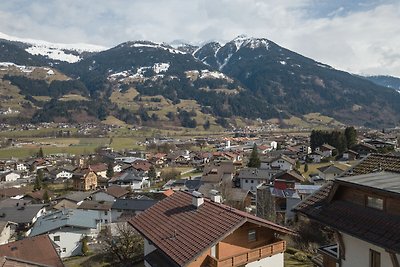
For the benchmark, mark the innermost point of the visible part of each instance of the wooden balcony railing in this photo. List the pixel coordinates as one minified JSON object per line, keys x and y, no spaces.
{"x":248,"y":256}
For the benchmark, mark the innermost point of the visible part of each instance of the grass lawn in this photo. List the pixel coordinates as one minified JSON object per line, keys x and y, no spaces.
{"x":74,"y":146}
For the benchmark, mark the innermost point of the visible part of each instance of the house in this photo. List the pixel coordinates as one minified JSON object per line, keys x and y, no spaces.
{"x":250,"y":178}
{"x":364,"y":149}
{"x":136,"y":180}
{"x":38,"y":196}
{"x":38,"y":251}
{"x":289,"y":176}
{"x":188,"y":230}
{"x":20,"y":166}
{"x":231,"y":196}
{"x":100,"y":169}
{"x":281,"y":162}
{"x":141,"y":165}
{"x":22,"y":215}
{"x":13,"y":192}
{"x":316,"y":156}
{"x":72,"y":200}
{"x":329,"y":172}
{"x":326,"y":150}
{"x":84,"y":180}
{"x":103,"y":209}
{"x":350,"y":155}
{"x":363,"y":212}
{"x":218,"y":171}
{"x":66,"y":228}
{"x":7,"y":230}
{"x":9,"y":176}
{"x":126,"y":208}
{"x":183,"y":184}
{"x":110,"y":193}
{"x":65,"y":173}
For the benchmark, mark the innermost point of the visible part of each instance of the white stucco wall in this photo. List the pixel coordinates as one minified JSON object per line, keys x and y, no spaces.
{"x":357,"y":253}
{"x":273,"y":261}
{"x":5,"y":235}
{"x":70,"y":241}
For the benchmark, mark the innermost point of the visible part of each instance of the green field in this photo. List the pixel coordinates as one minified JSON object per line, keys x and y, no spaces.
{"x":74,"y":146}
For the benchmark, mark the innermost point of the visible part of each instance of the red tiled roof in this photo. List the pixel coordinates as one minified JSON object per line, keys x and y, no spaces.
{"x":38,"y":249}
{"x":183,"y":231}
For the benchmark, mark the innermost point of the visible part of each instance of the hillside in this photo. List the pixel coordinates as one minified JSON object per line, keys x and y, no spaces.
{"x":182,"y":85}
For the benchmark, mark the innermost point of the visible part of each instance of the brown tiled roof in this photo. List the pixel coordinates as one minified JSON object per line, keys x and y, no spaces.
{"x":100,"y":167}
{"x":371,"y":225}
{"x":95,"y":205}
{"x":183,"y":231}
{"x":141,"y":165}
{"x":38,"y":249}
{"x":38,"y":195}
{"x":375,"y":163}
{"x":116,"y":191}
{"x":12,"y":192}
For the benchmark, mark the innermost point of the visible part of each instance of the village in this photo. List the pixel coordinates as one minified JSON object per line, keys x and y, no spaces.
{"x":260,"y":190}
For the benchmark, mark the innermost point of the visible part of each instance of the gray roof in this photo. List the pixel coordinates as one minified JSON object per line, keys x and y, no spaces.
{"x":387,"y":181}
{"x":20,"y":214}
{"x":62,"y":218}
{"x":133,"y":204}
{"x":131,"y":176}
{"x":254,"y":173}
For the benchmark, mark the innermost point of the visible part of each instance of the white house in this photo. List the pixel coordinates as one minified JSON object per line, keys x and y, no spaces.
{"x":64,"y":174}
{"x":67,"y":228}
{"x":9,"y":176}
{"x":21,"y":166}
{"x":281,"y":162}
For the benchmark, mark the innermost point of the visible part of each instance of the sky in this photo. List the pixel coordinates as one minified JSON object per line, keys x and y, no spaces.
{"x":359,"y":36}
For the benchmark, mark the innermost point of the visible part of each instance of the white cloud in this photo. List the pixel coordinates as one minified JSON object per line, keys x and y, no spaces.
{"x":360,"y":36}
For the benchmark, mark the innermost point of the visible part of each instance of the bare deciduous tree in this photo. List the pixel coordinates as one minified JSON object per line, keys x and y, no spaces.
{"x":123,"y":244}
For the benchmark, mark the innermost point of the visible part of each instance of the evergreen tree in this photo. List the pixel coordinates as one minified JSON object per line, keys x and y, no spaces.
{"x":38,"y":181}
{"x":306,"y":167}
{"x":206,"y":125}
{"x":85,"y":247}
{"x":110,"y":170}
{"x":351,"y":136}
{"x":46,"y":197}
{"x":40,"y":154}
{"x":254,"y":160}
{"x":152,"y":173}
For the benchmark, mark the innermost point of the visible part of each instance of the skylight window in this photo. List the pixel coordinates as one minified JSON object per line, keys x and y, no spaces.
{"x":375,"y":202}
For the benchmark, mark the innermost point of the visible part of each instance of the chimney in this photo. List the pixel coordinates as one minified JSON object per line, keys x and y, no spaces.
{"x":215,"y":196}
{"x":197,"y":199}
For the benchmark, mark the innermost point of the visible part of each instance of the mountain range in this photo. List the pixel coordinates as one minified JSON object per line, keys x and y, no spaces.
{"x":143,"y":82}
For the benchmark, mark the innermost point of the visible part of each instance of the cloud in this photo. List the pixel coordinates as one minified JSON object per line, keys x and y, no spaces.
{"x":358,"y":36}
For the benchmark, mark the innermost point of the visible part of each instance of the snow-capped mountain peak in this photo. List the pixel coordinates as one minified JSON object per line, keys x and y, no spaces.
{"x":251,"y":42}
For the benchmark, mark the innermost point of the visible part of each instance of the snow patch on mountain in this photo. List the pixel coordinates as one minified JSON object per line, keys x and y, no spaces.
{"x":53,"y":53}
{"x":56,"y":51}
{"x":156,"y":46}
{"x":25,"y":69}
{"x":160,"y":67}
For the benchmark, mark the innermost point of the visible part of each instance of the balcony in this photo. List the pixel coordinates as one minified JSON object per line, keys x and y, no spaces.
{"x":248,"y":256}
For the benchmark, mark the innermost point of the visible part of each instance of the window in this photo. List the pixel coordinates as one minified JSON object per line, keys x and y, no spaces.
{"x":252,"y":235}
{"x":374,"y":258}
{"x":106,"y":213}
{"x":56,"y":238}
{"x":375,"y":202}
{"x":64,"y":250}
{"x":247,"y":181}
{"x":252,"y":181}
